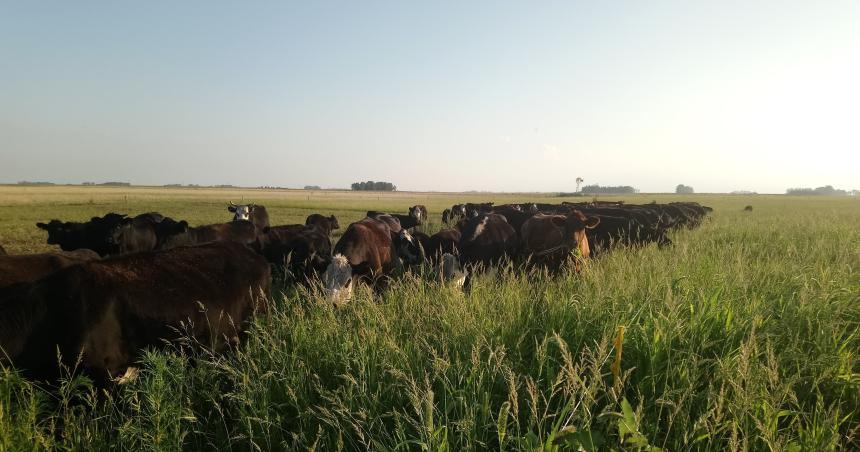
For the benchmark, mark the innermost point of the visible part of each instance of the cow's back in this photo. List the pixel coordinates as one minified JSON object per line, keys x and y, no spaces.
{"x":23,"y":268}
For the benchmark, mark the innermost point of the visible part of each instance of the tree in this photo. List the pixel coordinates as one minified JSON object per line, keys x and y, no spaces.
{"x":682,"y":189}
{"x":373,"y":186}
{"x":621,"y":189}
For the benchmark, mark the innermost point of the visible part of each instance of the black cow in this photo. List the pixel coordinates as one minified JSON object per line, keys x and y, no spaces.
{"x":241,"y":231}
{"x":94,"y":234}
{"x":145,"y":232}
{"x":419,"y":213}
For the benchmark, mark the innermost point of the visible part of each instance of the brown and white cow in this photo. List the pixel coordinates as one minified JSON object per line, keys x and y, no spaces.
{"x":368,"y":250}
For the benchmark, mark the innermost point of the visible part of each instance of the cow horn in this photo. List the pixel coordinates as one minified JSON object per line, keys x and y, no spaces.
{"x":231,"y":204}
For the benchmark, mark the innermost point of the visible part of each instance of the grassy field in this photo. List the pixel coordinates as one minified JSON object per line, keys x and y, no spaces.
{"x":743,"y":335}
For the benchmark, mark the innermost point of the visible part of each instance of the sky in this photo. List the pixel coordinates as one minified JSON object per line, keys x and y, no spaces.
{"x":443,"y":96}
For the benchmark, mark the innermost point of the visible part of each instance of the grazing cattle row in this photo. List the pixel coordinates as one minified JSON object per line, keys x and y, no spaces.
{"x":161,"y":276}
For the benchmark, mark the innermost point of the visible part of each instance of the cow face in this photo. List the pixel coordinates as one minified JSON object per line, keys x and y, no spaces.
{"x":333,"y":221}
{"x":57,"y":231}
{"x":408,"y":248}
{"x":337,"y":280}
{"x":241,"y":212}
{"x":416,"y":213}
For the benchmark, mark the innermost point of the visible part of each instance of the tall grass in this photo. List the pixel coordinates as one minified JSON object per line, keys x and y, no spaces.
{"x":743,"y":335}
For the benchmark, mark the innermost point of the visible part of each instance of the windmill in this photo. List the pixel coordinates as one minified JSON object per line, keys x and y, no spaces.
{"x":579,"y":180}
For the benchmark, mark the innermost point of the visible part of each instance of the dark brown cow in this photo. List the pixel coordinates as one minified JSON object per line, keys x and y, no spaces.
{"x":369,"y":249}
{"x":304,"y":252}
{"x":235,"y":231}
{"x":109,"y":311}
{"x":549,"y":239}
{"x":33,"y":267}
{"x":323,"y":223}
{"x":444,"y":241}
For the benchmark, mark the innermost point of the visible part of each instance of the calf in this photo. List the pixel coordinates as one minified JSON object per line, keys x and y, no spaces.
{"x":27,"y":268}
{"x":107,"y":312}
{"x":368,"y":250}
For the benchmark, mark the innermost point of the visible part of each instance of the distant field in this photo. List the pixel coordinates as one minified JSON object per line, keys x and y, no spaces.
{"x":743,"y":335}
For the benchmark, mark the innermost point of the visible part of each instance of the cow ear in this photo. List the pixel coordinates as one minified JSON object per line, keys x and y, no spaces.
{"x":558,"y":220}
{"x":592,"y":222}
{"x":42,"y":226}
{"x":231,"y":209}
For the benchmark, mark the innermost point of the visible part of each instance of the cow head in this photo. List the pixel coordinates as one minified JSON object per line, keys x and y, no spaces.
{"x":575,"y":224}
{"x":57,"y":230}
{"x":408,"y":248}
{"x":242,"y":211}
{"x":449,"y":269}
{"x":333,"y":221}
{"x":337,"y":280}
{"x":416,"y":213}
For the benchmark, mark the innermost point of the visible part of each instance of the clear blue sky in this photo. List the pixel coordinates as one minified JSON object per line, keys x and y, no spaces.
{"x":524,"y":96}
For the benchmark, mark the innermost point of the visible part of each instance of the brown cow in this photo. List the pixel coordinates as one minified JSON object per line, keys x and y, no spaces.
{"x":109,"y":311}
{"x":549,"y":239}
{"x":33,"y":267}
{"x":369,"y":249}
{"x":444,"y":241}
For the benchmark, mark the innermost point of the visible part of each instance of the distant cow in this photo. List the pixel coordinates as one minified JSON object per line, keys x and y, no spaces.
{"x":109,"y":311}
{"x":22,"y":268}
{"x":368,"y":250}
{"x":419,"y":212}
{"x":241,"y":231}
{"x":250,"y":212}
{"x":549,"y":239}
{"x":94,"y":234}
{"x":475,"y":209}
{"x":323,"y":223}
{"x":748,"y":209}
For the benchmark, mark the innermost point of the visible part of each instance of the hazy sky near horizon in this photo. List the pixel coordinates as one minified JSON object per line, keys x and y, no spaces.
{"x":519,"y":96}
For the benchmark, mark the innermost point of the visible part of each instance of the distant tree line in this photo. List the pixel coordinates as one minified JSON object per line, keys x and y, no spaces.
{"x":373,"y":186}
{"x":26,"y":182}
{"x":682,"y":189}
{"x":620,"y":189}
{"x":314,"y":187}
{"x":826,"y":190}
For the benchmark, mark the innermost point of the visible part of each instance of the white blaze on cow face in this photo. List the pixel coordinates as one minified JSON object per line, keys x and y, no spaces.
{"x":338,"y":280}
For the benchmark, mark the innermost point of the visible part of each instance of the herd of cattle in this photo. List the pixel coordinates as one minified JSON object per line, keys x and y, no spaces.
{"x":122,"y":284}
